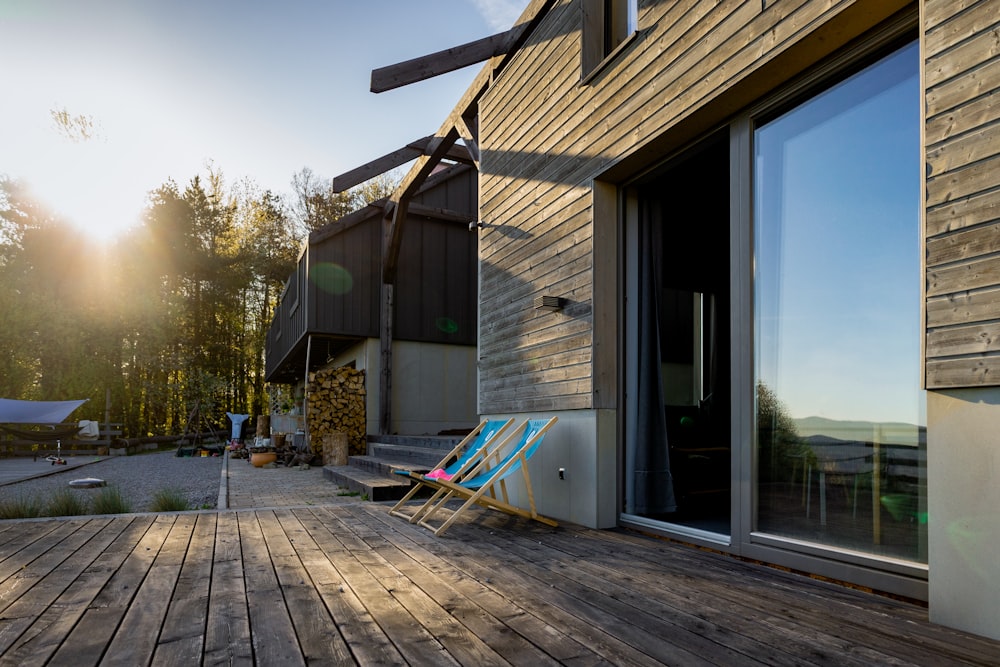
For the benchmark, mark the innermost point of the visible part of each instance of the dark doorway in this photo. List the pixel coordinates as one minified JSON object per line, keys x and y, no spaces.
{"x":683,"y":292}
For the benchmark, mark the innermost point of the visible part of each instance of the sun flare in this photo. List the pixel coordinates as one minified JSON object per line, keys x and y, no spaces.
{"x":84,"y":185}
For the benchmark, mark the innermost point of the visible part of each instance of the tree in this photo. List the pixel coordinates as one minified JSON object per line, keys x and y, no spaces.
{"x":18,"y":366}
{"x":272,"y":245}
{"x":317,"y":205}
{"x":179,"y":319}
{"x":777,"y":436}
{"x":59,"y":322}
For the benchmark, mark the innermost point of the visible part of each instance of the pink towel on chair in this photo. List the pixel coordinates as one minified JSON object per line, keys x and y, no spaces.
{"x":439,"y":473}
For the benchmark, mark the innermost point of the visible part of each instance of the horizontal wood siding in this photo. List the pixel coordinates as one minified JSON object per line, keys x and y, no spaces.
{"x":962,"y":138}
{"x":545,"y":137}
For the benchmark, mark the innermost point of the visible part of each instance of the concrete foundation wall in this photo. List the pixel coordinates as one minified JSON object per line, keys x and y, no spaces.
{"x":963,"y":488}
{"x":582,"y":444}
{"x":433,"y":385}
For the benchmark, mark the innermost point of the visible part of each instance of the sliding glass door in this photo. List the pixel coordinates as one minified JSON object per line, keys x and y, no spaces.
{"x":790,"y":242}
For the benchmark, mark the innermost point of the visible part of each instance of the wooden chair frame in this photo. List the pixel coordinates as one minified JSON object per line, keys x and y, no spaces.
{"x":467,"y":453}
{"x":479,"y":485}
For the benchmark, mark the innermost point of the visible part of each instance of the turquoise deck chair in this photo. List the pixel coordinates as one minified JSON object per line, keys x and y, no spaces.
{"x":480,"y":485}
{"x":467,"y":454}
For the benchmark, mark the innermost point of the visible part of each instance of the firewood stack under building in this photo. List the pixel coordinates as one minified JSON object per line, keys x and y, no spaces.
{"x":336,"y":403}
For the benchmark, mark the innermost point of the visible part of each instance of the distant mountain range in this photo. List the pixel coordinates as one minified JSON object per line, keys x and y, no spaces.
{"x":821,"y":429}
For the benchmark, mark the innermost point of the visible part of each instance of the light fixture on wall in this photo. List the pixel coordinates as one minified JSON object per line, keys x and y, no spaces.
{"x":549,"y":303}
{"x":476,"y":224}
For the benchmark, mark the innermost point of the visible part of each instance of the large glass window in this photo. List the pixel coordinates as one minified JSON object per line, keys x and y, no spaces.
{"x":841,"y":436}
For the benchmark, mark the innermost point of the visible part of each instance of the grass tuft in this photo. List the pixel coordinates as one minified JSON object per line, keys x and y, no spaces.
{"x":168,"y":500}
{"x":66,"y":503}
{"x":109,"y":500}
{"x":20,"y":508}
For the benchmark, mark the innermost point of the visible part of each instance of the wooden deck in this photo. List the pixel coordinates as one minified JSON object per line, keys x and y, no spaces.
{"x":350,"y":584}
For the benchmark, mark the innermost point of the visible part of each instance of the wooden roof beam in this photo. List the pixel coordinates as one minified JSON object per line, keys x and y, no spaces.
{"x":442,"y":214}
{"x":468,"y":130}
{"x":399,"y":157}
{"x":442,"y":62}
{"x":396,"y":208}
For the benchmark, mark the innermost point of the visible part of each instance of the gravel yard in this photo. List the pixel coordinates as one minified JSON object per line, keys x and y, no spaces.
{"x":138,"y":478}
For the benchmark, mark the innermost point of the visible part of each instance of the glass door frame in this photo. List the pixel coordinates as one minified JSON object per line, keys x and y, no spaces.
{"x":877,"y":572}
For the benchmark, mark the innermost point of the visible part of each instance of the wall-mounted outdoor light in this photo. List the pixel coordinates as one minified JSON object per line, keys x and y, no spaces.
{"x":476,"y":224}
{"x":549,"y":303}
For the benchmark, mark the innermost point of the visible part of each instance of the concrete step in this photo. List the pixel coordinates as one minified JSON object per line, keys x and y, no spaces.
{"x":372,"y":485}
{"x":425,"y":456}
{"x":382,"y":466}
{"x":371,"y":475}
{"x":445,"y":442}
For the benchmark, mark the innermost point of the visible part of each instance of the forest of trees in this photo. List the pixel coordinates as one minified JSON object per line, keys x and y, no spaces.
{"x":173,"y":315}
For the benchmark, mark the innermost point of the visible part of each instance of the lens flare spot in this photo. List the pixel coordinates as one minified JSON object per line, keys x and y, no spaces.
{"x":447,"y":325}
{"x":331,"y":278}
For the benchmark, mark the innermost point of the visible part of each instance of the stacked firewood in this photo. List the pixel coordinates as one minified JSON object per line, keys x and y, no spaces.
{"x":336,"y":402}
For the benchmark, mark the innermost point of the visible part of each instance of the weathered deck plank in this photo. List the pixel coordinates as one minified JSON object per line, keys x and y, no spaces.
{"x":227,"y":630}
{"x":52,"y":583}
{"x":88,"y":640}
{"x":318,"y":637}
{"x":135,"y":639}
{"x":471,"y":606}
{"x":493,"y":567}
{"x":272,"y":631}
{"x":47,"y":633}
{"x":463,"y":645}
{"x":355,"y":623}
{"x":350,"y":584}
{"x":407,"y":633}
{"x":182,"y":638}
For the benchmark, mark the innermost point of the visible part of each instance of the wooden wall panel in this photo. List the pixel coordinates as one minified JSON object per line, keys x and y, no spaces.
{"x":545,"y":136}
{"x":962,"y":139}
{"x":963,"y":308}
{"x":436,"y":292}
{"x":344,"y":282}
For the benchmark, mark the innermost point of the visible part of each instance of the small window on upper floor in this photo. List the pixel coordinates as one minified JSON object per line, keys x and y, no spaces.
{"x":606,"y":25}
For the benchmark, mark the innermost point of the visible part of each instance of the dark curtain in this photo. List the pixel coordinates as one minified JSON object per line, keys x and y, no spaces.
{"x":647,"y":456}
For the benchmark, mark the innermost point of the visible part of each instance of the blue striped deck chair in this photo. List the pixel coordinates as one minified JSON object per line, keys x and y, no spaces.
{"x":480,"y":485}
{"x":467,"y":454}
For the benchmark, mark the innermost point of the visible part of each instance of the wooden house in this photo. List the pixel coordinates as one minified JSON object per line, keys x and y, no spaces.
{"x":746,"y":251}
{"x":331,"y":310}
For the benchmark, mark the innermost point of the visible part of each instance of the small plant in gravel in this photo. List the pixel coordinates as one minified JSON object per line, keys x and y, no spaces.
{"x":109,"y":500}
{"x":23,"y":507}
{"x":168,"y":500}
{"x":66,"y":503}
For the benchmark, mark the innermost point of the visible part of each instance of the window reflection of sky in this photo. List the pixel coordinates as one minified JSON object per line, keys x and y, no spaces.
{"x":838,"y":284}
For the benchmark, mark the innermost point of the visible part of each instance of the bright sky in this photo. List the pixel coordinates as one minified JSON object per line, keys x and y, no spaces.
{"x":258,"y":88}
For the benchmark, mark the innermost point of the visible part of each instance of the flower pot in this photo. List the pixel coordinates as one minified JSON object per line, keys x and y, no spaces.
{"x":259,"y":459}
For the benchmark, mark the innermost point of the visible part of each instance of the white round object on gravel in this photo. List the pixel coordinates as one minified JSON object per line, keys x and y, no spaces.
{"x":87,"y":483}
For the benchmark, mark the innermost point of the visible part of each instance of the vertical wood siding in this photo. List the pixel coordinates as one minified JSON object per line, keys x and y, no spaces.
{"x":355,"y":311}
{"x":436,"y":291}
{"x":962,"y":138}
{"x":545,"y":138}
